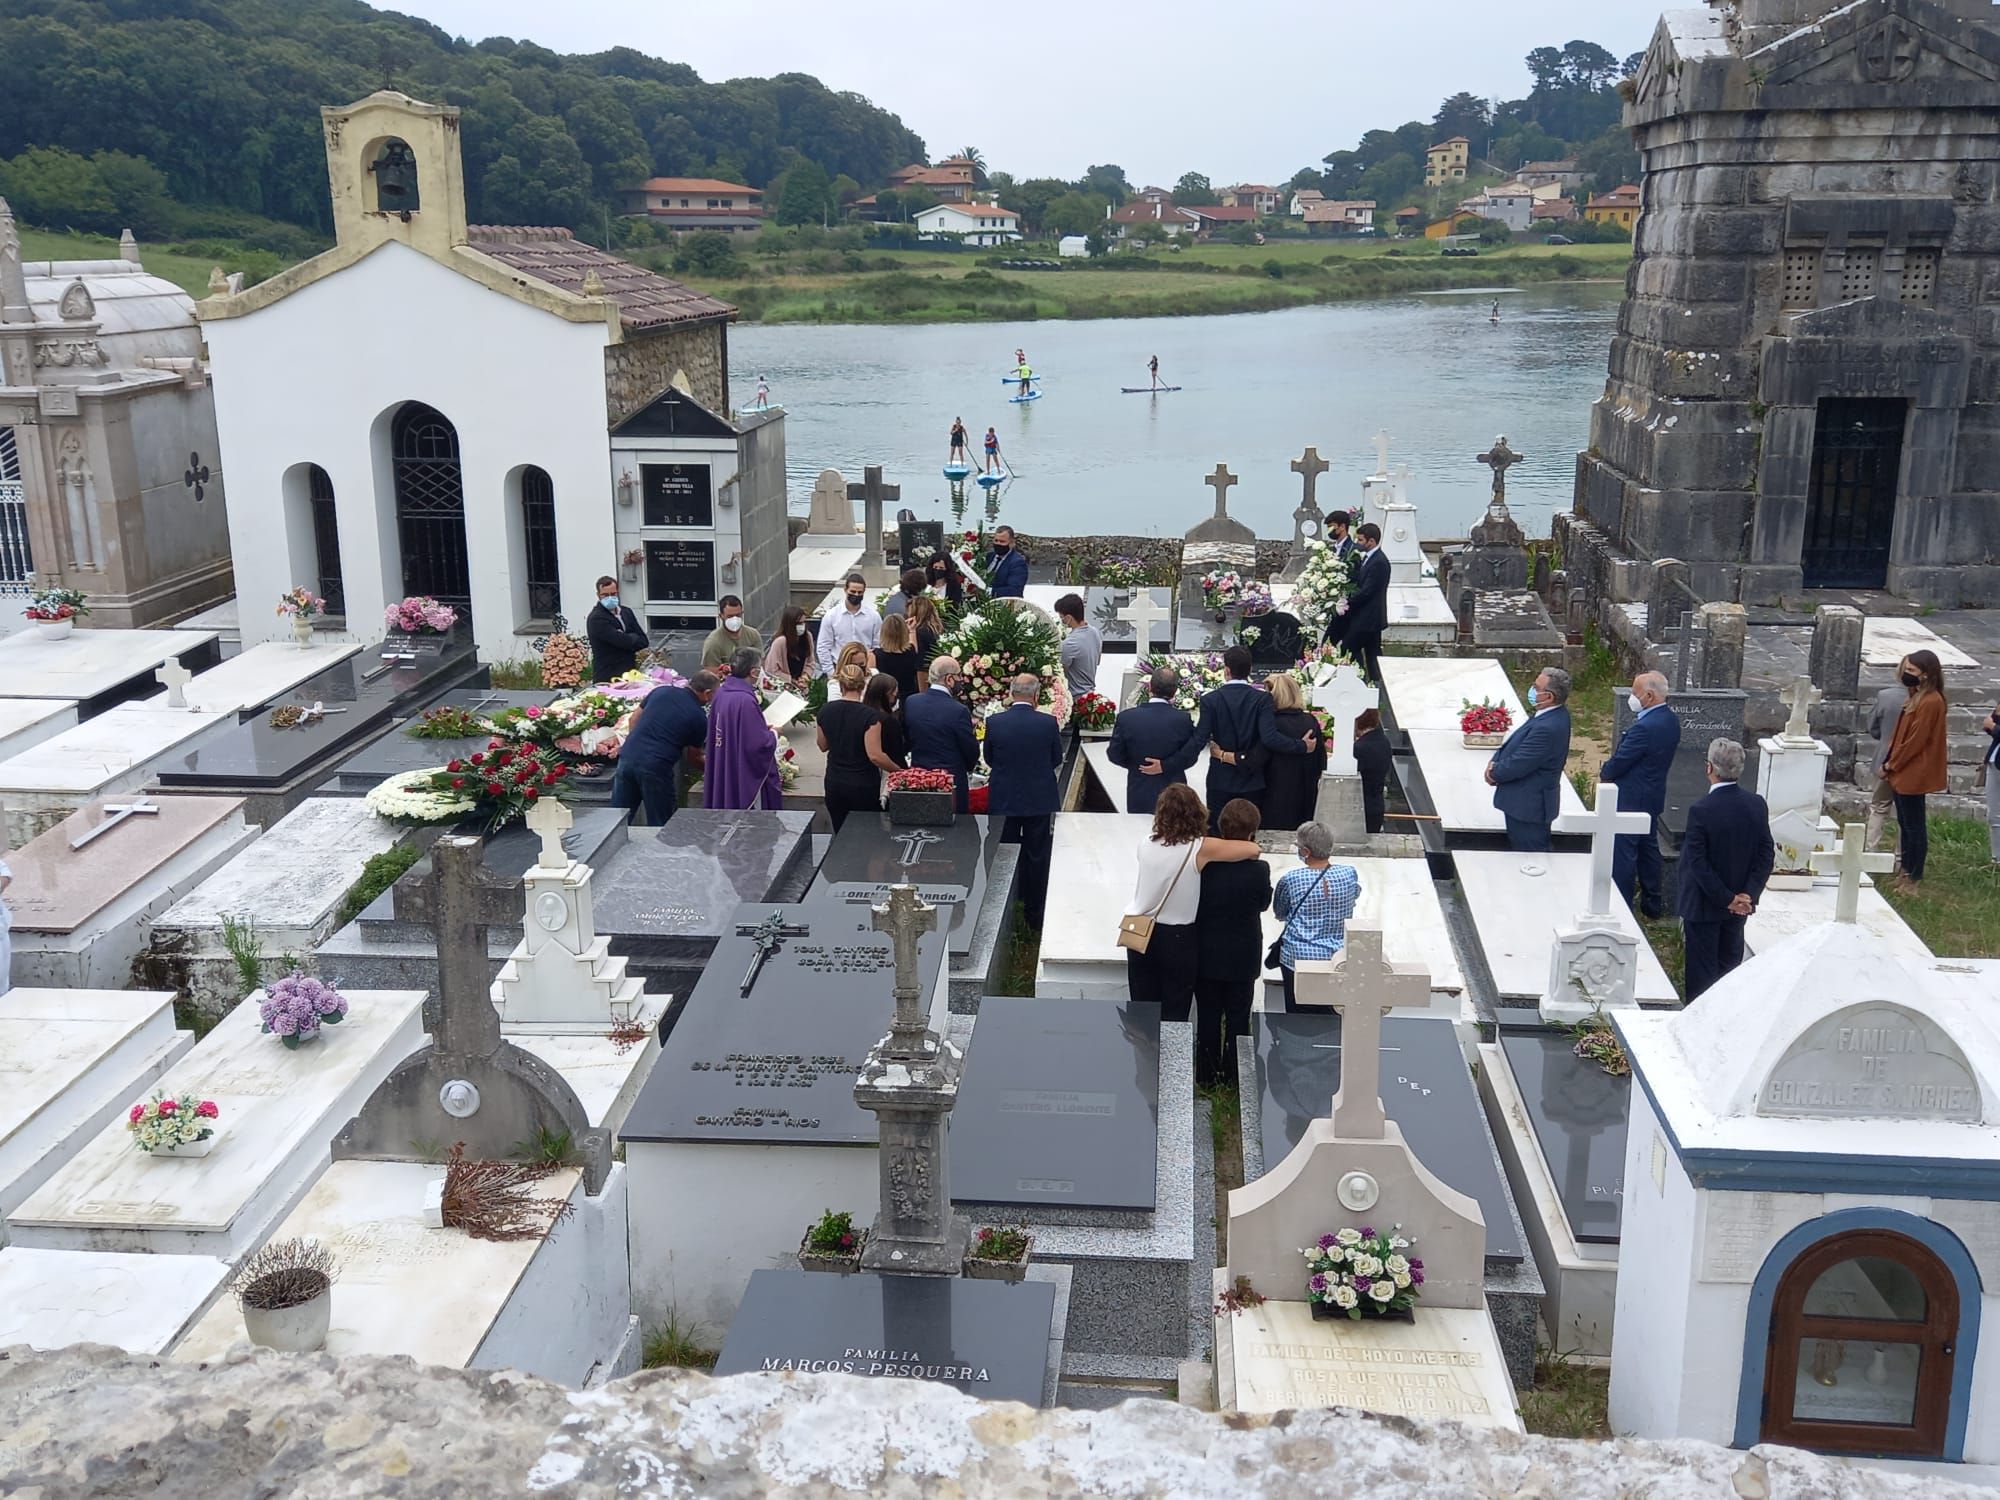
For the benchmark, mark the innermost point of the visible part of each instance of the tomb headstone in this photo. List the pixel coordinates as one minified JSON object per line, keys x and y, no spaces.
{"x":1706,"y":714}
{"x":1379,"y":488}
{"x":1495,"y":560}
{"x":832,"y":511}
{"x":1219,"y":542}
{"x":950,"y":868}
{"x":1578,"y":1113}
{"x":917,"y":542}
{"x":1594,"y":965}
{"x":174,"y":678}
{"x":679,"y":571}
{"x":1275,"y":638}
{"x":1791,"y":778}
{"x":1141,"y":624}
{"x":1308,"y":524}
{"x":1342,"y":695}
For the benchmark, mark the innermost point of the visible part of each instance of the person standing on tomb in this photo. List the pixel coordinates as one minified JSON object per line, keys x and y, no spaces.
{"x":1372,"y":758}
{"x":672,"y":724}
{"x":1888,"y":709}
{"x":790,"y":657}
{"x":940,"y":729}
{"x":1024,"y":752}
{"x":1291,"y":782}
{"x":1638,"y":768}
{"x":1527,"y":771}
{"x":1367,"y":612}
{"x":731,"y":635}
{"x":1916,"y":762}
{"x":957,"y":453}
{"x":911,"y":584}
{"x":1315,"y":902}
{"x":1147,"y":737}
{"x":615,"y":636}
{"x":855,"y":621}
{"x":1082,"y":649}
{"x":1726,"y":857}
{"x":742,"y":767}
{"x":1239,"y":726}
{"x":850,"y":733}
{"x":896,"y":655}
{"x":1168,"y":889}
{"x":1230,"y":937}
{"x":1006,"y":566}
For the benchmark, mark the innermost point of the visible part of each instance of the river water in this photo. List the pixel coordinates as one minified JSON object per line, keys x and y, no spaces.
{"x":1435,"y":371}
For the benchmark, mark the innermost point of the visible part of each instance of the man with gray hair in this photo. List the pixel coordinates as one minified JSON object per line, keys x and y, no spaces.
{"x":1526,"y":774}
{"x":1024,"y":752}
{"x":1726,"y":857}
{"x":939,"y":728}
{"x":1147,"y":738}
{"x":1638,"y":768}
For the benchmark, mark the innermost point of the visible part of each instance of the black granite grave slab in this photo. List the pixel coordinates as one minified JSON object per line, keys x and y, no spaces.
{"x":666,"y":898}
{"x":777,"y":1066}
{"x":1705,"y":714}
{"x":360,"y":695}
{"x":948,"y":866}
{"x":594,"y":836}
{"x":1579,"y":1114}
{"x":399,"y":750}
{"x":1102,"y":606}
{"x":1426,"y":1089}
{"x":1059,"y":1105}
{"x":989,"y":1339}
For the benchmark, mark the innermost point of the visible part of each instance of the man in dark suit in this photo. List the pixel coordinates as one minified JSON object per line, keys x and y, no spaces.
{"x":1526,"y":774}
{"x":1340,"y":542}
{"x":616,"y":638}
{"x":1006,"y":566}
{"x":939,"y":728}
{"x":1368,"y":606}
{"x":1726,"y":856}
{"x":1146,"y":737}
{"x":1024,"y":752}
{"x":1638,"y":768}
{"x":1240,"y":728}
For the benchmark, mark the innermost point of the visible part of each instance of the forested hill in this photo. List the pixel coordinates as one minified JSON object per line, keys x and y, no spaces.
{"x":215,"y":104}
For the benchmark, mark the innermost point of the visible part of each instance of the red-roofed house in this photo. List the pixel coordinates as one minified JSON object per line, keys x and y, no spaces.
{"x":1265,"y":200}
{"x":1213,"y":218}
{"x":688,"y":203}
{"x":1175,"y":221}
{"x":970,"y":223}
{"x":1620,"y":206}
{"x":1340,"y":216}
{"x":950,"y":181}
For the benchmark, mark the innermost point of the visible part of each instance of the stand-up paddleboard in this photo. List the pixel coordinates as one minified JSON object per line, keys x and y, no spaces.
{"x":1016,"y":380}
{"x":1147,"y":390}
{"x":1023,"y":400}
{"x":957,"y":473}
{"x":987,"y":481}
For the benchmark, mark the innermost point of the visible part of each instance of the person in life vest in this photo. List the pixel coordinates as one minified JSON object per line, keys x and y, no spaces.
{"x":992,"y":450}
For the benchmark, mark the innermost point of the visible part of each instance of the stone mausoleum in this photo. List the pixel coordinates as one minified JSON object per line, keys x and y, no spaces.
{"x":1805,"y":383}
{"x":428,"y":408}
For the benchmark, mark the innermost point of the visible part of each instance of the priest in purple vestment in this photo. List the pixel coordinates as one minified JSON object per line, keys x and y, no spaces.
{"x":742,"y":767}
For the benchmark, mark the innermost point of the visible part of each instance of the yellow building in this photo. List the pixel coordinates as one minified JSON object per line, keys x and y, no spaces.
{"x":1447,"y":161}
{"x":1620,"y":206}
{"x":1461,"y":221}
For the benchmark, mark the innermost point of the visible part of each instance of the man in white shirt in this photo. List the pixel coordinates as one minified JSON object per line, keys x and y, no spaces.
{"x":856,"y":620}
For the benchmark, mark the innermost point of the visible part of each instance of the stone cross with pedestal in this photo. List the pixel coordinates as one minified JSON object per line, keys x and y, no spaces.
{"x":1852,"y":860}
{"x":910,"y":1083}
{"x":1308,"y":524}
{"x":1378,"y":489}
{"x":1791,"y":778}
{"x":1218,"y":542}
{"x":1595,"y":964}
{"x":1495,"y":557}
{"x":873,"y":495}
{"x":1342,"y":694}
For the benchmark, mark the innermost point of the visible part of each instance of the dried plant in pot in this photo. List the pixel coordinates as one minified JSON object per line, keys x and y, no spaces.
{"x":499,"y":1200}
{"x":286,"y":1293}
{"x":999,"y":1254}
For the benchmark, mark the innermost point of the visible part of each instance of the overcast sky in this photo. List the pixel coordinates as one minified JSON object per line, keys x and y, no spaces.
{"x":1243,"y":90}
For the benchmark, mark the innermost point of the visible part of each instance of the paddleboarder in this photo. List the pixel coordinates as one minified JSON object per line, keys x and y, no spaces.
{"x":958,"y":443}
{"x":1027,"y":377}
{"x":1153,"y":370}
{"x":992,"y":450}
{"x":763,"y":394}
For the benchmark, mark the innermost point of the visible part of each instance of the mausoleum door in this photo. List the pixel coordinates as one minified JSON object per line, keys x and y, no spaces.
{"x":430,"y":506}
{"x":1851,"y":505}
{"x":1864,"y":1331}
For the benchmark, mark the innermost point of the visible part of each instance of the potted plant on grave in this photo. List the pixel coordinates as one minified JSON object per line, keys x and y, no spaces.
{"x":420,"y":614}
{"x":301,"y":606}
{"x":1122,"y":573}
{"x":922,"y":799}
{"x":832,"y":1244}
{"x":1221,"y":591}
{"x":296,"y":1006}
{"x":1095,"y":715}
{"x":999,"y":1254}
{"x":1358,"y":1273}
{"x":286,"y":1293}
{"x":1483,"y":724}
{"x":174,"y":1127}
{"x":55,"y":611}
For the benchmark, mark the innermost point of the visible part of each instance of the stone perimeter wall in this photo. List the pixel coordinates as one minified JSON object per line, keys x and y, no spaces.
{"x":92,"y":1423}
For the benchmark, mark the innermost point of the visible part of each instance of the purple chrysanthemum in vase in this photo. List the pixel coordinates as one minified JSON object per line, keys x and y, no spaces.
{"x":296,"y":1006}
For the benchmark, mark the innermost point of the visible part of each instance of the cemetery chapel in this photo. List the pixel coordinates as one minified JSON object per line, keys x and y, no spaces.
{"x":491,"y":415}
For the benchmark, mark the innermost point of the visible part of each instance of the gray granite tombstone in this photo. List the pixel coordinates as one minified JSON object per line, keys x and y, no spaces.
{"x":1704,"y":714}
{"x":917,"y":542}
{"x":1279,"y":641}
{"x":949,"y":867}
{"x":1106,"y":608}
{"x":1495,"y":558}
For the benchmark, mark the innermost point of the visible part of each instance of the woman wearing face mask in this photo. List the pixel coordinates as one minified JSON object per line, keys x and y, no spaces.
{"x":791,"y":656}
{"x":1915,"y":766}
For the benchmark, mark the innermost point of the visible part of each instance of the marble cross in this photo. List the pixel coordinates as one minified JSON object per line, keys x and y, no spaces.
{"x":1223,"y":481}
{"x":1142,"y":614}
{"x":1853,"y":861}
{"x":1343,"y":695}
{"x":1382,"y":454}
{"x":1311,"y":466}
{"x":1500,"y":458}
{"x":1800,"y":697}
{"x":872,"y":493}
{"x":1403,"y":485}
{"x":549,"y":818}
{"x":117,"y":812}
{"x":1603,"y":823}
{"x":174,"y":678}
{"x":1363,"y":986}
{"x":906,"y":918}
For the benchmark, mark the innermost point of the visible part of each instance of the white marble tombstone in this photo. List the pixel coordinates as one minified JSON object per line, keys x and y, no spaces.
{"x":51,"y":1299}
{"x":1791,"y":778}
{"x":1594,"y":965}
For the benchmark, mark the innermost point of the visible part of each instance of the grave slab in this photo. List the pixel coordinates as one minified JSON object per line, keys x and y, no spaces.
{"x":1102,"y":608}
{"x":989,"y":1339}
{"x":279,"y":1108}
{"x":26,"y":722}
{"x":1112,"y":780}
{"x":1705,"y":714}
{"x":263,"y":673}
{"x":112,"y":753}
{"x":51,"y":1299}
{"x":399,"y":750}
{"x":83,"y":916}
{"x":1455,"y":778}
{"x":1520,"y":902}
{"x":97,"y":668}
{"x":554,"y":1308}
{"x":70,"y":1061}
{"x":1426,"y":692}
{"x":1783,"y":914}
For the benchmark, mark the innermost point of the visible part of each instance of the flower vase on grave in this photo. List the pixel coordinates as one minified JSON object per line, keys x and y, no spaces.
{"x":921,"y":799}
{"x":302,"y":631}
{"x":186,"y":1148}
{"x":54,"y":630}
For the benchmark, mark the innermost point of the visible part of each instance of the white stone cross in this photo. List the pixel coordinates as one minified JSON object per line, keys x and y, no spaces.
{"x":1403,"y":485}
{"x":1142,"y":614}
{"x":1603,"y":823}
{"x":174,"y":678}
{"x":1363,"y":986}
{"x":1223,"y":480}
{"x":1342,"y":695}
{"x":1853,"y":861}
{"x":116,"y":813}
{"x":1801,"y":695}
{"x":906,"y":918}
{"x":549,"y":818}
{"x":1382,"y":453}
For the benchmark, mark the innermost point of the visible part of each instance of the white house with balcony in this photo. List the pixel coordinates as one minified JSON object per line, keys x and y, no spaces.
{"x":970,"y":223}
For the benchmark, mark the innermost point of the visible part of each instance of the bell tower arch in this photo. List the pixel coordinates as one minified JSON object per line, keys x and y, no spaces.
{"x":394,"y":166}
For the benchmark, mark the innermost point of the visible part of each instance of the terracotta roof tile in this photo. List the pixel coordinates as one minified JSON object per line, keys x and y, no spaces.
{"x":692,"y":185}
{"x":557,"y":258}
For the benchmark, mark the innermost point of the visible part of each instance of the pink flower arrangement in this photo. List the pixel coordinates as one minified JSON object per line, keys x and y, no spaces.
{"x":420,"y":615}
{"x":164,"y":1123}
{"x":919,"y":780}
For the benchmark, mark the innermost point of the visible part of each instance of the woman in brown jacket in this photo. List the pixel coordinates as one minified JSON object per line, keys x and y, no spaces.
{"x":1915,"y":765}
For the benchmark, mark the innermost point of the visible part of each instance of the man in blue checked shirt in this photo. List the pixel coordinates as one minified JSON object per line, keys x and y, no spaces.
{"x":1315,"y":902}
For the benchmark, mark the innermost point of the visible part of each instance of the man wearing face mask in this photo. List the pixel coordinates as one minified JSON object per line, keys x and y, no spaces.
{"x":1638,"y":768}
{"x":1526,"y":775}
{"x":616,"y":638}
{"x":855,"y":620}
{"x":731,"y":635}
{"x":1006,"y":566}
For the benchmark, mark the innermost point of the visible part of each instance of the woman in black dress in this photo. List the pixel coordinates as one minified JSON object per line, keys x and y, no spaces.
{"x":945,"y":571}
{"x":883,"y":696}
{"x":929,"y":625}
{"x":1371,"y":758}
{"x":1291,"y":782}
{"x":850,"y":733}
{"x":896,"y":654}
{"x":1230,"y":932}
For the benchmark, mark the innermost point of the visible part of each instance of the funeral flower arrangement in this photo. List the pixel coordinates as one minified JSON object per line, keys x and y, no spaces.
{"x":295,"y":1007}
{"x":997,"y":644}
{"x":1121,"y":572}
{"x":1357,"y":1273}
{"x":1200,"y":672}
{"x":920,"y":780}
{"x":788,"y":766}
{"x":1095,"y":712}
{"x":564,"y":658}
{"x":413,"y":797}
{"x":640,"y":681}
{"x":495,"y":785}
{"x":1222,"y":588}
{"x":165,"y":1123}
{"x":1483,"y":717}
{"x":1597,"y":1042}
{"x":1323,"y":589}
{"x":301,"y":603}
{"x":448,"y":724}
{"x":56,"y":604}
{"x":419,"y":615}
{"x":566,"y":718}
{"x":968,"y":549}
